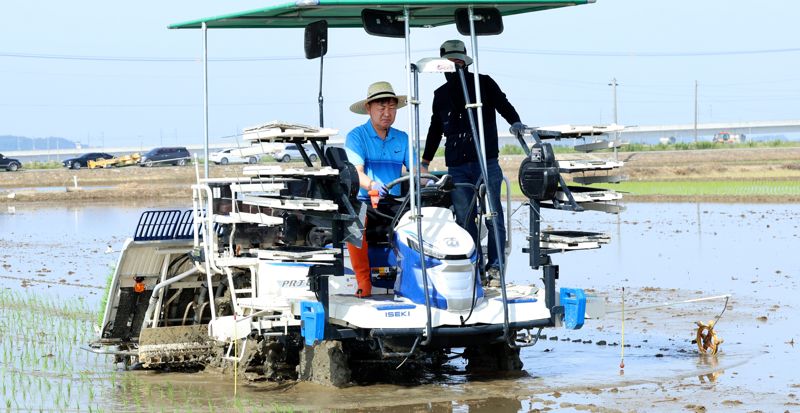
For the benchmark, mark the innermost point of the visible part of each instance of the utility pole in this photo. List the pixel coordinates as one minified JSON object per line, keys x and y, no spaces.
{"x":695,"y":112}
{"x":613,"y":85}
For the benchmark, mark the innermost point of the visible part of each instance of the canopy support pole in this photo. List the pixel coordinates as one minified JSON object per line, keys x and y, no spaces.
{"x":205,"y":97}
{"x":412,"y":83}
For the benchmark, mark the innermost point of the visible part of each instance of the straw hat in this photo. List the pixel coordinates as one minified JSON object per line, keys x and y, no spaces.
{"x":377,"y":90}
{"x":455,"y":49}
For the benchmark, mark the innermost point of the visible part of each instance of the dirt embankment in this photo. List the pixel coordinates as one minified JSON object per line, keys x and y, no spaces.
{"x":717,"y":164}
{"x":168,"y":182}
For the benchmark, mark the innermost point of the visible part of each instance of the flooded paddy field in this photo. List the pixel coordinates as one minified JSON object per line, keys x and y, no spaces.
{"x":54,"y":262}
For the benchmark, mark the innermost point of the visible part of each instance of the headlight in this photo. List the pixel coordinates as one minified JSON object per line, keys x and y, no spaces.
{"x":430,"y":250}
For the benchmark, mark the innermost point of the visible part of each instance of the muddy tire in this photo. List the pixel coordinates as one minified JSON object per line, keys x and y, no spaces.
{"x":492,"y":357}
{"x":324,"y":363}
{"x":281,"y":358}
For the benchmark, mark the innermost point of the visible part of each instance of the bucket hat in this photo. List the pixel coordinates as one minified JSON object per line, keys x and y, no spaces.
{"x":455,"y":49}
{"x":377,"y":90}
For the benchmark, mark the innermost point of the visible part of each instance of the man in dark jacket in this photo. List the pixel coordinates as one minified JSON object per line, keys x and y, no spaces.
{"x":450,"y":119}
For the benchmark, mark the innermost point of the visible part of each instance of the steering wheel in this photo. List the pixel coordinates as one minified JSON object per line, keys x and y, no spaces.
{"x":405,"y":178}
{"x":443,"y":184}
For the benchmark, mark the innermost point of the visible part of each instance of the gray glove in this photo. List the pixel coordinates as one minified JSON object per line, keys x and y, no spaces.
{"x":517,"y":128}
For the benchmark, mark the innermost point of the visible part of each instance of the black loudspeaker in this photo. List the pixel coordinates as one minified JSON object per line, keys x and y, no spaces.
{"x":538,"y":173}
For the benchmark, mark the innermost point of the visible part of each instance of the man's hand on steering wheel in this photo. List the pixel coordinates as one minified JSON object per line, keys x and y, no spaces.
{"x":380,"y":188}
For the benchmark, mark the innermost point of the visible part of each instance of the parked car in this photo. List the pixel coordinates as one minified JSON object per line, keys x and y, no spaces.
{"x":231,"y":155}
{"x":83,"y":160}
{"x":176,"y":156}
{"x":290,"y":153}
{"x":10,"y":164}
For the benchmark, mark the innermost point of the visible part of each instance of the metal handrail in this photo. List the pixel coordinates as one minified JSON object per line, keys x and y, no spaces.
{"x":508,"y":217}
{"x":154,"y":295}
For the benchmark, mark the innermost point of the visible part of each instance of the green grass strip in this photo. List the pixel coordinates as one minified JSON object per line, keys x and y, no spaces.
{"x":515,"y":149}
{"x":708,"y":188}
{"x":697,"y":188}
{"x":104,"y":300}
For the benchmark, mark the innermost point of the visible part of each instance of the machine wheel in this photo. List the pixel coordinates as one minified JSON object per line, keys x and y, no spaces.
{"x":76,"y":165}
{"x":492,"y":357}
{"x":13,"y":166}
{"x":252,"y":160}
{"x":286,"y":158}
{"x":324,"y":363}
{"x":182,"y":162}
{"x":223,"y":161}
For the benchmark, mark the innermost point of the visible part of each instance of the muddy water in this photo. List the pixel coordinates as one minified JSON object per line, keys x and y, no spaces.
{"x":53,"y":266}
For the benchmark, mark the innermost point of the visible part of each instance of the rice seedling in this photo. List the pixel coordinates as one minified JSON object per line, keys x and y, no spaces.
{"x":43,"y":368}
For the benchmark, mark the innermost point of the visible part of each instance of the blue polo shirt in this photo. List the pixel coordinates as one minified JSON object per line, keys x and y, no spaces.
{"x":383,"y":159}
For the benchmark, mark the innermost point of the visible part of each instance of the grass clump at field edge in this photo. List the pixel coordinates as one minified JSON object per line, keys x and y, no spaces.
{"x":43,"y":165}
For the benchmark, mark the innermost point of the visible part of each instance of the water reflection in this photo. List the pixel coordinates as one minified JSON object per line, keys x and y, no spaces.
{"x":661,"y":245}
{"x":662,"y":252}
{"x":710,"y":363}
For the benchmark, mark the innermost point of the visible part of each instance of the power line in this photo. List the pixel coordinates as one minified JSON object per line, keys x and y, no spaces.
{"x":585,"y":53}
{"x":582,"y":53}
{"x":177,"y":59}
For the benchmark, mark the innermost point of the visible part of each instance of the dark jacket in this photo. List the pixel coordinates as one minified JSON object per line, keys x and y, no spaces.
{"x":450,"y":119}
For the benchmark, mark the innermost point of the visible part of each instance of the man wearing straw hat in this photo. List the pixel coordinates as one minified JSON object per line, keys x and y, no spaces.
{"x":379,"y":152}
{"x":449,"y":118}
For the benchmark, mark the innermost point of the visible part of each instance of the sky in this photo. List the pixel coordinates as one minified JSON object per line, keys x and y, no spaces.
{"x":111,"y":74}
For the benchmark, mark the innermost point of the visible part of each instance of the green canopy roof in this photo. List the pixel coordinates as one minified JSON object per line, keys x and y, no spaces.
{"x":347,"y":13}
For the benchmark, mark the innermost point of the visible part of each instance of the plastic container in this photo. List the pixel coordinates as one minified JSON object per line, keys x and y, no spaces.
{"x":312,"y":316}
{"x":574,"y":302}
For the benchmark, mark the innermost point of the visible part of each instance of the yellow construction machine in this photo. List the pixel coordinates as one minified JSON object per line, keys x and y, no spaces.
{"x":124,"y":160}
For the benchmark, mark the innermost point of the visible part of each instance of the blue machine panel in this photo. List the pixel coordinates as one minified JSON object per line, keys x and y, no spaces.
{"x":386,"y":307}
